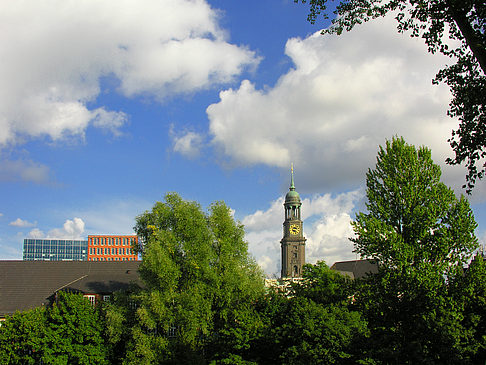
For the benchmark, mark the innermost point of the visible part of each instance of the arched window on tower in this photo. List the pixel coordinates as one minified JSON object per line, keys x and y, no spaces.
{"x":296,"y":271}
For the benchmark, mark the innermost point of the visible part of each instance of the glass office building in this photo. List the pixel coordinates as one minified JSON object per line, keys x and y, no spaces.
{"x":55,"y":250}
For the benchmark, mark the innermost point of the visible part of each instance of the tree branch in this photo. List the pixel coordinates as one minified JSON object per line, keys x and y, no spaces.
{"x":474,"y":41}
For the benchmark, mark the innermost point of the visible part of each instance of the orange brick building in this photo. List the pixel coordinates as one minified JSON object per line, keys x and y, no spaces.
{"x":112,"y":248}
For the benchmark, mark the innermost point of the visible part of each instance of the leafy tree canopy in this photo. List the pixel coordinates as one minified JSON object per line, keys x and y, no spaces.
{"x":323,"y":285}
{"x":69,"y":332}
{"x":422,"y":236}
{"x":463,"y":21}
{"x":74,"y":333}
{"x":413,"y":220}
{"x":315,"y":324}
{"x":469,"y":292}
{"x":200,"y":280}
{"x":22,"y":337}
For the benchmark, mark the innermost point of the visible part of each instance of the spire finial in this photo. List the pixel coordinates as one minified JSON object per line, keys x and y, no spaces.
{"x":292,"y":187}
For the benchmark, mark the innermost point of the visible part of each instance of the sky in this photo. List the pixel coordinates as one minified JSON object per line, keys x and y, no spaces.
{"x":105,"y":106}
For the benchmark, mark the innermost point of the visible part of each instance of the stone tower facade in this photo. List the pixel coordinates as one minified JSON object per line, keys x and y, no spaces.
{"x":293,"y":241}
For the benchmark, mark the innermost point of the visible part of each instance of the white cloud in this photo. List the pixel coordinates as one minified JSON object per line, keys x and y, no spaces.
{"x":326,"y":227}
{"x":345,"y":95}
{"x":186,"y":143}
{"x":52,"y":69}
{"x":21,"y":170}
{"x":22,"y":223}
{"x":71,"y":229}
{"x":36,"y":233}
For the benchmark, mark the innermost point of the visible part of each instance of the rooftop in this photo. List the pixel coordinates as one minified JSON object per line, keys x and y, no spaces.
{"x":28,"y":284}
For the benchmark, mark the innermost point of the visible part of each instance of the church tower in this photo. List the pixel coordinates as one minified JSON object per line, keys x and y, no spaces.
{"x":293,"y":241}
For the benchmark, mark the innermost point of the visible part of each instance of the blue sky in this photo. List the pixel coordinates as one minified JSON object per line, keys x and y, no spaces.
{"x":105,"y":106}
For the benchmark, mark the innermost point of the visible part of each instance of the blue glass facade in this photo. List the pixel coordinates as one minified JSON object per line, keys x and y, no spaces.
{"x":55,"y":250}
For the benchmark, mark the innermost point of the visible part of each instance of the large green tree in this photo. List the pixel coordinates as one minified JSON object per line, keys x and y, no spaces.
{"x":463,"y":21}
{"x":422,"y":235}
{"x":200,"y":283}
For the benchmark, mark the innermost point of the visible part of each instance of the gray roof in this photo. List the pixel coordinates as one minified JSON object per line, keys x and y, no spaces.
{"x":356,"y":269}
{"x":29,"y":284}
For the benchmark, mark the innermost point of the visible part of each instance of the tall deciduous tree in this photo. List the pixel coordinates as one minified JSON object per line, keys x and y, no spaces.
{"x":422,"y":236}
{"x":199,"y":280}
{"x":464,"y":22}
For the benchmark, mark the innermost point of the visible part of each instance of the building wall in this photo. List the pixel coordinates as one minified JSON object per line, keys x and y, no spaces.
{"x":112,"y":248}
{"x":55,"y":250}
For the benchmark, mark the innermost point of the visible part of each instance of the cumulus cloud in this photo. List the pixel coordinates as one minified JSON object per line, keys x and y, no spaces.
{"x":187,"y":143}
{"x":22,"y":223}
{"x":326,"y":227}
{"x":71,"y":229}
{"x":344,"y":96}
{"x":36,"y":233}
{"x":24,"y":170}
{"x":51,"y":70}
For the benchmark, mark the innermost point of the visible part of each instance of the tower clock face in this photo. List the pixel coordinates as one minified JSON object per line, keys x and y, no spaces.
{"x":294,"y":229}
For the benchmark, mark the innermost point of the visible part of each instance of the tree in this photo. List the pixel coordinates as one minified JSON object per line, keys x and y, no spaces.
{"x":120,"y":318}
{"x":463,"y":21}
{"x":70,"y":332}
{"x":22,"y":337}
{"x":74,"y":333}
{"x":316,"y":324}
{"x":323,"y":285}
{"x":413,"y":221}
{"x":310,"y":333}
{"x":469,"y":292}
{"x":422,"y":236}
{"x":200,"y":283}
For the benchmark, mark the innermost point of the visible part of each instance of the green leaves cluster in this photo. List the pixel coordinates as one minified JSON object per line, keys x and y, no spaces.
{"x":317,"y":324}
{"x":70,"y":332}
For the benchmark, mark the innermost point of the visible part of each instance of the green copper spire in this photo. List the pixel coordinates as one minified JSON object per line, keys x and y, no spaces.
{"x":292,"y":196}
